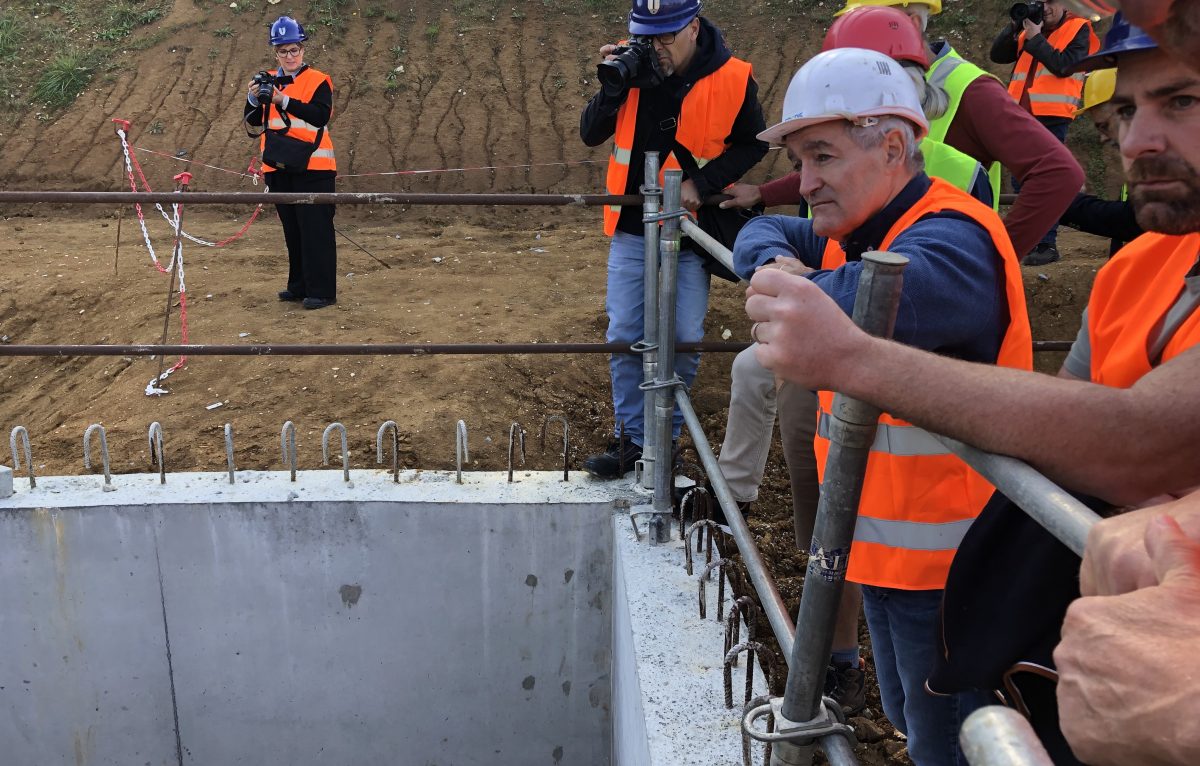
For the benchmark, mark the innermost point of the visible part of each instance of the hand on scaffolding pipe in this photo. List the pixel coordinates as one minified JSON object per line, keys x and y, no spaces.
{"x":1127,"y":663}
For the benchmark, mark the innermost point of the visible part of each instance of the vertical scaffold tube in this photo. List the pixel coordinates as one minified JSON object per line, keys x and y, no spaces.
{"x":852,"y":432}
{"x":651,"y":204}
{"x":664,"y":397}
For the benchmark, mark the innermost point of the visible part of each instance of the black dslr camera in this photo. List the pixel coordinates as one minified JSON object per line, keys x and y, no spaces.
{"x":1034,"y":11}
{"x":635,"y":66}
{"x":266,"y":86}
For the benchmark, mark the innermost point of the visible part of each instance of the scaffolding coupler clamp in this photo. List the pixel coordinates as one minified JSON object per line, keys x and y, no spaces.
{"x":653,"y":385}
{"x":666,"y":215}
{"x":651,"y":188}
{"x":830,"y":720}
{"x":642,"y":347}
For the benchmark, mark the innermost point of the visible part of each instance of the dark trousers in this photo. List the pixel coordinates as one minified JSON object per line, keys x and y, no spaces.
{"x":1059,"y":129}
{"x":308,"y":233}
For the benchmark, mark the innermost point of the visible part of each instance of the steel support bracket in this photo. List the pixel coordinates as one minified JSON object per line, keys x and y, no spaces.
{"x":654,"y":385}
{"x":642,"y":347}
{"x":666,"y":215}
{"x":830,"y":720}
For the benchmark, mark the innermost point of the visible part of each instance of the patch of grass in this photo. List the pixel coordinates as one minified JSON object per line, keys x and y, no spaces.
{"x":223,"y":32}
{"x":66,"y":77}
{"x":11,"y":35}
{"x":327,"y":13}
{"x":432,"y":31}
{"x":214,"y":54}
{"x":122,"y":18}
{"x":372,"y":12}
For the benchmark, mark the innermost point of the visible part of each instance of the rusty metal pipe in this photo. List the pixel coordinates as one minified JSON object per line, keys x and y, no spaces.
{"x":329,"y":198}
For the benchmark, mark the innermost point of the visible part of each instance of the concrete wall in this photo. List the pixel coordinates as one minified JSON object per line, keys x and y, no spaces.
{"x":182,"y":625}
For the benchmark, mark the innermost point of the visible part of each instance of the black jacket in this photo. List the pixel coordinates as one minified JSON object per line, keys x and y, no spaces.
{"x":1104,"y":218}
{"x":654,"y":131}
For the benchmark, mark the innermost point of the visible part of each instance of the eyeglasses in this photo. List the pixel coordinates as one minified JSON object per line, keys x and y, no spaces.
{"x":285,"y":52}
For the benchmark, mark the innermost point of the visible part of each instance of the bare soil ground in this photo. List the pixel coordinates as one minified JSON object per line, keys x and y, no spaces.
{"x":485,"y":94}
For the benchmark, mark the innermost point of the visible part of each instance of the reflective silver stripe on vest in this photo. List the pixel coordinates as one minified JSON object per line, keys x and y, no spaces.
{"x":622,"y":156}
{"x":1053,"y":98}
{"x":912,"y":535}
{"x":1018,"y":77}
{"x":325,"y":153}
{"x":903,"y":441}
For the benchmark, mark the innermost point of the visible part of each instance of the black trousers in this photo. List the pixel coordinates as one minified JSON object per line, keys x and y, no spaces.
{"x":308,"y":233}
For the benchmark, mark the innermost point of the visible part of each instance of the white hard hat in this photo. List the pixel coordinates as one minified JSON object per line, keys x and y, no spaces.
{"x":848,"y":84}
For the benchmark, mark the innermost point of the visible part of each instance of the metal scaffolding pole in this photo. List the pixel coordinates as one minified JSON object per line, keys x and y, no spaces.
{"x":1046,"y":503}
{"x":999,"y":736}
{"x":802,"y":716}
{"x":665,"y":382}
{"x":649,"y":346}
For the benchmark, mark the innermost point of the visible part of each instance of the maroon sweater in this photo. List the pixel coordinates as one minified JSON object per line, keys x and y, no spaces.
{"x":991,"y":127}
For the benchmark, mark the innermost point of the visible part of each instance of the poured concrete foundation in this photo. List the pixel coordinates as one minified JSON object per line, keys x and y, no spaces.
{"x":272,"y":622}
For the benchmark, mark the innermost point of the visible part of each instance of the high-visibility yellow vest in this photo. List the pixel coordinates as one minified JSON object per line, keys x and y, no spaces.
{"x":953,"y":74}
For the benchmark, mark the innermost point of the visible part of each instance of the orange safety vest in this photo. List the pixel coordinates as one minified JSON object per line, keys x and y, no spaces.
{"x":302,"y":89}
{"x":705,"y":122}
{"x":918,"y":499}
{"x":1050,"y":95}
{"x":1130,"y":299}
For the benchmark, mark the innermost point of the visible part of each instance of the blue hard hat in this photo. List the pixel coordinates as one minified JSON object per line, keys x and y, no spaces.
{"x":657,"y":17}
{"x":286,"y":30}
{"x":1122,"y":38}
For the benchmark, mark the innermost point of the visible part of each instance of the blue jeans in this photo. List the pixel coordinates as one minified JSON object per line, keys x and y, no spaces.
{"x":625,"y":304}
{"x":904,"y":625}
{"x":1050,"y":237}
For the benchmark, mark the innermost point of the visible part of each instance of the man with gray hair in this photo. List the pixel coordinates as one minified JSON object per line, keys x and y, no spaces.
{"x":852,"y":120}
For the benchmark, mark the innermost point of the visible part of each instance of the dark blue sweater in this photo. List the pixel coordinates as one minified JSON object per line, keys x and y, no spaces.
{"x":953,"y":301}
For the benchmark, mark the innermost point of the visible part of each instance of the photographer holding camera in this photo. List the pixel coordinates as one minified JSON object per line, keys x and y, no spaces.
{"x":674,"y":88}
{"x":294,"y":104}
{"x":1046,"y":42}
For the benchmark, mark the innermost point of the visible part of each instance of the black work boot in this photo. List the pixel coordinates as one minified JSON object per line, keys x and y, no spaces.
{"x":846,"y":684}
{"x":614,"y":462}
{"x":1041,"y":255}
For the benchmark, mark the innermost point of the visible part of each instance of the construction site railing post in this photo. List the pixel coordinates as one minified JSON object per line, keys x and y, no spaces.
{"x":651,"y":206}
{"x":665,"y":382}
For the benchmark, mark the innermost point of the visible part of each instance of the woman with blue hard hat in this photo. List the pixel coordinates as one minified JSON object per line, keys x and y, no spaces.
{"x":293,"y":104}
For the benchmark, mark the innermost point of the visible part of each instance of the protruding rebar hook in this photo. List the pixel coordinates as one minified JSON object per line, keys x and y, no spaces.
{"x":708,"y":524}
{"x":287,"y":441}
{"x":96,"y":428}
{"x":461,"y":455}
{"x":155,"y":437}
{"x":12,"y":442}
{"x":692,"y":493}
{"x":345,"y":448}
{"x":229,"y":452}
{"x":743,"y":607}
{"x":566,"y":449}
{"x":395,"y":429}
{"x":515,"y":433}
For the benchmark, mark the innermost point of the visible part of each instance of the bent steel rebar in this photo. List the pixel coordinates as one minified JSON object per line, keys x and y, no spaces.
{"x":566,"y":441}
{"x":461,"y":453}
{"x":515,"y":432}
{"x":229,"y":452}
{"x":155,"y":438}
{"x":742,"y":608}
{"x":389,"y":425}
{"x":96,"y":428}
{"x":12,"y":443}
{"x":718,"y":564}
{"x":694,"y":494}
{"x":287,"y":442}
{"x":345,"y":448}
{"x":708,"y":524}
{"x":746,"y":754}
{"x":766,"y":661}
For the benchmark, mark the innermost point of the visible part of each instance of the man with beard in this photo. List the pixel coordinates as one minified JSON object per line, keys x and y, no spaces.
{"x":1125,"y":435}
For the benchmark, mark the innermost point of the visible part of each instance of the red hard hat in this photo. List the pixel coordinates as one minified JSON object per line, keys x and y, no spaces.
{"x":887,"y":30}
